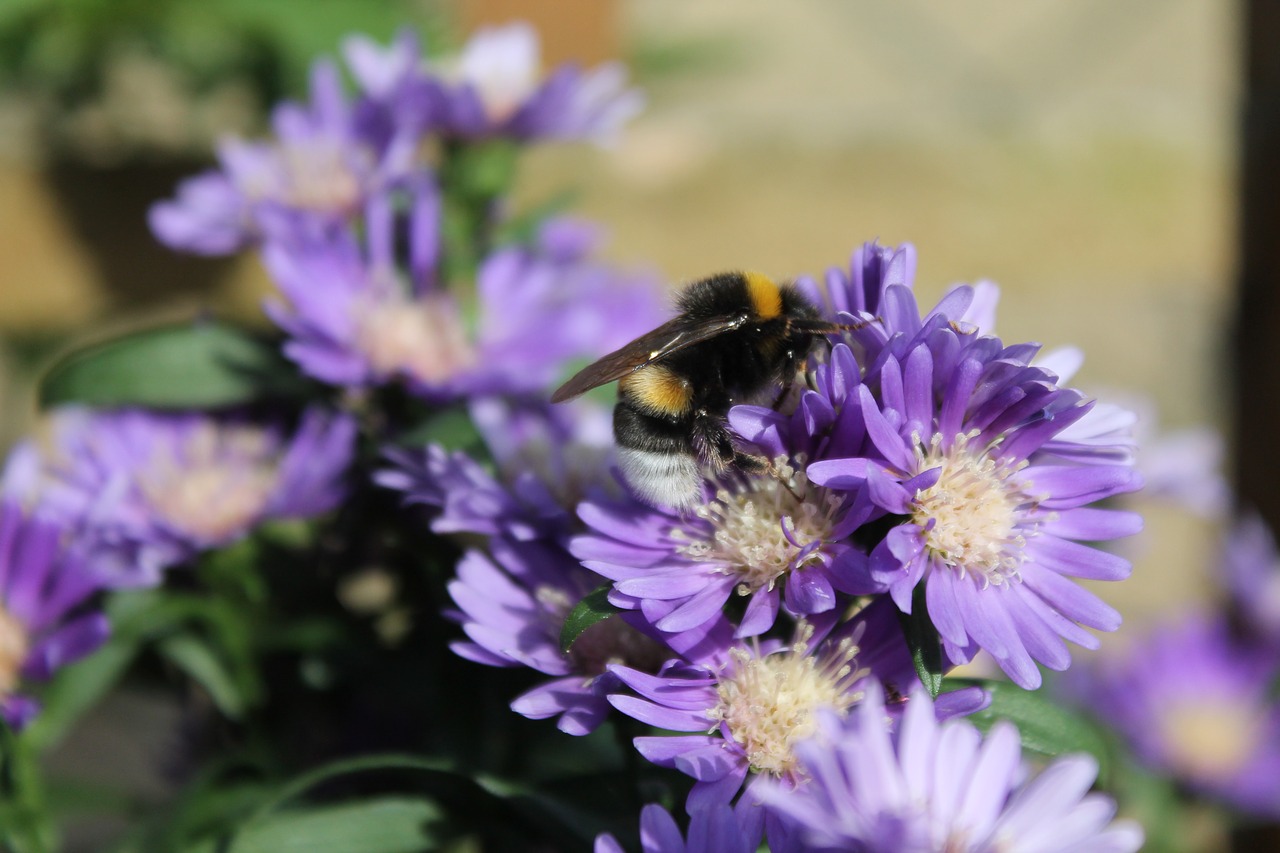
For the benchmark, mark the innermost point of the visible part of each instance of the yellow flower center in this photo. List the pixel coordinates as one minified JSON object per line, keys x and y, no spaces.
{"x":748,"y":520}
{"x":216,"y":484}
{"x":1208,"y":737}
{"x":971,"y":514}
{"x":14,"y":645}
{"x":418,"y":338}
{"x":768,"y":703}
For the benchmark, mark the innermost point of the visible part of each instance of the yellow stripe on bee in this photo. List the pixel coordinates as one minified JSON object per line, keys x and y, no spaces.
{"x":657,"y":388}
{"x":765,"y":296}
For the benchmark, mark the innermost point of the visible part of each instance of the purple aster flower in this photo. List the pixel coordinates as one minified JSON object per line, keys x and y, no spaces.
{"x":750,"y":703}
{"x":355,"y":317}
{"x":711,"y":830}
{"x":547,"y":457}
{"x":989,"y":504}
{"x":929,"y":786}
{"x":1195,"y":704}
{"x":1250,"y":570}
{"x":318,"y":172}
{"x":495,"y":89}
{"x":148,"y":489}
{"x":44,"y":625}
{"x":512,"y":606}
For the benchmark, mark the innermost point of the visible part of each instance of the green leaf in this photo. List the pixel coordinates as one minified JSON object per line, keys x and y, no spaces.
{"x":587,"y":612}
{"x":1047,"y":727}
{"x":922,"y":639}
{"x":197,"y":660}
{"x":384,"y":825}
{"x":77,"y":688}
{"x":198,"y":365}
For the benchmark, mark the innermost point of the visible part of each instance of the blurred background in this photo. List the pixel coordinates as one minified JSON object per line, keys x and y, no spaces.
{"x":1081,"y":155}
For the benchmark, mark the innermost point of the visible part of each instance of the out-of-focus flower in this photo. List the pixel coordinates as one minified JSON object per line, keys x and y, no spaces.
{"x":933,"y":786}
{"x":1194,"y":703}
{"x":44,"y":583}
{"x":1251,"y":573}
{"x":318,"y":172}
{"x":548,"y":458}
{"x":145,"y":490}
{"x":711,"y":830}
{"x":356,"y":316}
{"x":495,"y":89}
{"x":956,"y":427}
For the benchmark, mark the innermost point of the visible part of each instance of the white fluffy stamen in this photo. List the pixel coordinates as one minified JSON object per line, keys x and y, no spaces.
{"x":748,"y":520}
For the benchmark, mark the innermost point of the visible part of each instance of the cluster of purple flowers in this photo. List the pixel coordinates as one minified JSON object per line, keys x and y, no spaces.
{"x":923,"y":454}
{"x":924,"y":473}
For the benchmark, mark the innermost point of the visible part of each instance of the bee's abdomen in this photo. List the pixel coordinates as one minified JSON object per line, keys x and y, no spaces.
{"x":656,"y":457}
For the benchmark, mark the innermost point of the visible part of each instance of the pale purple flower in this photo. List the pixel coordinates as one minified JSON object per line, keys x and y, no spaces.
{"x":317,"y":172}
{"x":746,"y":705}
{"x":145,"y":490}
{"x":712,"y":830}
{"x":990,"y":506}
{"x":512,"y":604}
{"x":547,"y":459}
{"x":495,"y":89}
{"x":359,"y":314}
{"x":919,"y":786}
{"x":45,"y":623}
{"x":1196,"y":704}
{"x":1250,"y":571}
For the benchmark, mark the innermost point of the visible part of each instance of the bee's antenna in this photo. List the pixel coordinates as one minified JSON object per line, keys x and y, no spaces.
{"x":822,"y":327}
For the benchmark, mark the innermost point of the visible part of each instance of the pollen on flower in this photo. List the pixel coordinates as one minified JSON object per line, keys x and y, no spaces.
{"x":764,"y":526}
{"x":13,"y":651}
{"x":214,"y":484}
{"x":973,"y":515}
{"x":768,"y":703}
{"x":319,"y":177}
{"x":418,"y":338}
{"x":1209,"y":738}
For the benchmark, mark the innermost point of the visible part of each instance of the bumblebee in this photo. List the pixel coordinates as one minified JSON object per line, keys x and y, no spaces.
{"x":737,"y":336}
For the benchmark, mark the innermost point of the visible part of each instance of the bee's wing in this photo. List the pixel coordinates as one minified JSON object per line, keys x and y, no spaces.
{"x":670,"y":337}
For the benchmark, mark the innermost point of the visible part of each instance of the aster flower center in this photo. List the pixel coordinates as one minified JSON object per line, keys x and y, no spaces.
{"x":13,"y":651}
{"x":419,"y":338}
{"x":764,"y":527}
{"x":1210,"y":738}
{"x":215,"y":485}
{"x":768,"y":703}
{"x":971,"y":514}
{"x":319,"y":177}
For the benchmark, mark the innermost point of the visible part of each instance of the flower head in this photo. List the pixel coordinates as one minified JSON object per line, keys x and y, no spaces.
{"x":318,"y":172}
{"x":1194,"y":703}
{"x":495,"y":89}
{"x":968,"y":461}
{"x":147,"y":490}
{"x":513,"y":603}
{"x":45,"y":583}
{"x":930,"y":786}
{"x":357,"y":315}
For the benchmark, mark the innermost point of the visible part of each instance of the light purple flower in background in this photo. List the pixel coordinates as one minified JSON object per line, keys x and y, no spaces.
{"x":355,"y":316}
{"x":513,"y":604}
{"x":495,"y":89}
{"x":547,"y":457}
{"x":1196,"y":704}
{"x":318,"y":172}
{"x":146,"y":490}
{"x":711,"y":830}
{"x":964,"y":451}
{"x":931,"y":786}
{"x":44,"y":625}
{"x":1250,"y":570}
